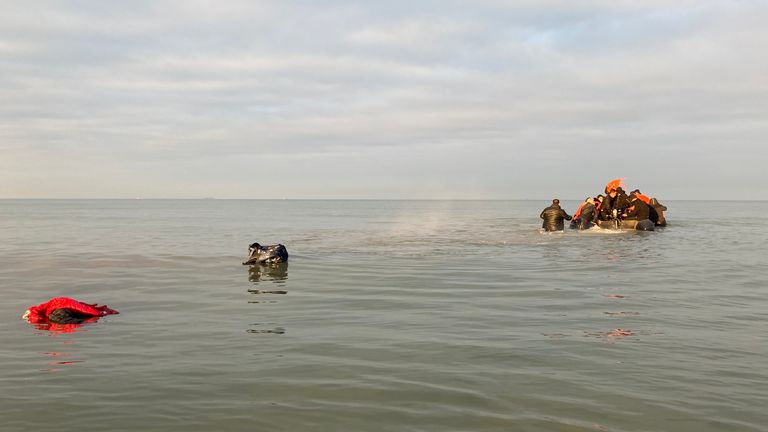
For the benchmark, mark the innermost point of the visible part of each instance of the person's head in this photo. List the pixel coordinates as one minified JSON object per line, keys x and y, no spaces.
{"x":620,"y":190}
{"x":556,"y":202}
{"x":612,"y":193}
{"x":589,"y":200}
{"x":599,"y":198}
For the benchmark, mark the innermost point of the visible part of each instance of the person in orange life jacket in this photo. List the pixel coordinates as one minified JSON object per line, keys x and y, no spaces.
{"x":585,"y":215}
{"x":643,"y":198}
{"x":638,"y":210}
{"x":598,"y":200}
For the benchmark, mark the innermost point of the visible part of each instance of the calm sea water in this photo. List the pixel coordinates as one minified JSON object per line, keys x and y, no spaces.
{"x":390,"y":316}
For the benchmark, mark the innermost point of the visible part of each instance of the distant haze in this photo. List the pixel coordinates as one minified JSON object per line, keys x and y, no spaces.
{"x":383,"y":99}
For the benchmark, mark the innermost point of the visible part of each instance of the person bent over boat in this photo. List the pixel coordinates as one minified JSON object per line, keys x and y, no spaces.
{"x":598,"y":204}
{"x":553,"y":217}
{"x":644,"y":198}
{"x":638,"y":210}
{"x":586,"y":215}
{"x":657,"y":215}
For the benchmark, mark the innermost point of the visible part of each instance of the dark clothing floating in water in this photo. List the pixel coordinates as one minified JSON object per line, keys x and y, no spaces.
{"x":553,"y":218}
{"x":68,"y":316}
{"x":269,"y":254}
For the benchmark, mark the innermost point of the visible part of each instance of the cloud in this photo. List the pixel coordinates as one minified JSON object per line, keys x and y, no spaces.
{"x":409,"y":33}
{"x":501,"y":99}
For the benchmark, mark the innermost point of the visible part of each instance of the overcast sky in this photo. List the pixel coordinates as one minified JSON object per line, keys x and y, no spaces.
{"x":383,"y":99}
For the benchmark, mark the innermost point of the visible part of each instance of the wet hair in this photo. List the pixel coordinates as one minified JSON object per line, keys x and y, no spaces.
{"x":254,"y":246}
{"x":555,"y":201}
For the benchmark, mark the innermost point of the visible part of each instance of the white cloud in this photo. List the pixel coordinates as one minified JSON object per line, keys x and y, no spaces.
{"x":187,"y":96}
{"x":410,"y":33}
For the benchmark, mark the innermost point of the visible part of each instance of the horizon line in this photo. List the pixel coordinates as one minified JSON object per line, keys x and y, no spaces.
{"x":342,"y":199}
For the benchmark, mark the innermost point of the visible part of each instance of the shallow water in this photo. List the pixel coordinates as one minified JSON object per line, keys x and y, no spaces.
{"x":391,"y":315}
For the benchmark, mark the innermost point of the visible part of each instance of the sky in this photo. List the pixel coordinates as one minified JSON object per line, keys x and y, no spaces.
{"x":481,"y":99}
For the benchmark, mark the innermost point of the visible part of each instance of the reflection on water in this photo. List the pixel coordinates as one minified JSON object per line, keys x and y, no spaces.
{"x":413,"y":316}
{"x":273,"y":330}
{"x":60,"y":358}
{"x":256,"y":291}
{"x":60,"y":328}
{"x":276,"y":273}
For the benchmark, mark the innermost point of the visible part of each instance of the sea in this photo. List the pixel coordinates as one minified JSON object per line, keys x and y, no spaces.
{"x":389,"y":316}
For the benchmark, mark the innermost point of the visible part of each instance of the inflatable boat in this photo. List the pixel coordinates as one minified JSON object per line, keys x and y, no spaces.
{"x":628,"y":225}
{"x":625,"y":225}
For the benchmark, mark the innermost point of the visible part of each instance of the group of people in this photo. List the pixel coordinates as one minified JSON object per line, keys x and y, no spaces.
{"x":614,"y":205}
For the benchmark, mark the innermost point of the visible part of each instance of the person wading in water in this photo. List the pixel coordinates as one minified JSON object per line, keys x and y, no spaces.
{"x":553,"y":217}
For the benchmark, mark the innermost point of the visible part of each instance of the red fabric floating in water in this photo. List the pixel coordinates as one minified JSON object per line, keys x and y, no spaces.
{"x":39,"y":314}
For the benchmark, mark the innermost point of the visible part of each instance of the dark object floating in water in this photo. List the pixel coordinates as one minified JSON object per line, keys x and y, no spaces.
{"x":269,"y":254}
{"x":622,"y":314}
{"x":64,"y":310}
{"x":276,"y":330}
{"x":255,"y":291}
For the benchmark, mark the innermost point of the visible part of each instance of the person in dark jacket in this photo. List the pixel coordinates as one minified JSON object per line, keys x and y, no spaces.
{"x":622,"y":202}
{"x":606,"y":208}
{"x":659,"y":210}
{"x":587,"y":215}
{"x":638,"y":210}
{"x":553,"y":217}
{"x":598,"y":201}
{"x":615,"y":200}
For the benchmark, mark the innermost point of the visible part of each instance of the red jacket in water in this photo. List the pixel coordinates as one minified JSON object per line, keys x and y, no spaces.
{"x":39,"y":314}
